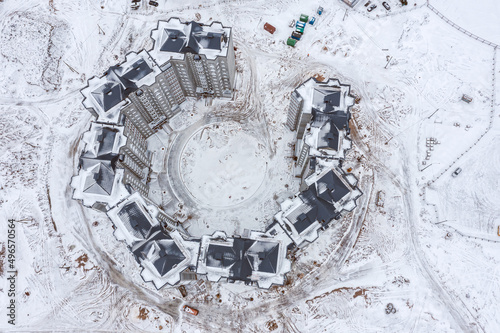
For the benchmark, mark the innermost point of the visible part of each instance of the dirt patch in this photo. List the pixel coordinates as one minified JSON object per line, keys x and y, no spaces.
{"x":357,"y":292}
{"x":319,"y":77}
{"x":271,"y":325}
{"x":360,"y":292}
{"x":50,"y":209}
{"x":82,"y":260}
{"x":143,"y":313}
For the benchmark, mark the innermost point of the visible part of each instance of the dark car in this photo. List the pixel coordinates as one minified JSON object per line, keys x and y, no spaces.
{"x":372,"y":7}
{"x":456,"y":172}
{"x":386,"y":5}
{"x":153,"y":3}
{"x":366,"y":4}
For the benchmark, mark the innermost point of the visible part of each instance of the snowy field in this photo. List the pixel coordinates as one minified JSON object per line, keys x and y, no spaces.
{"x":429,"y":248}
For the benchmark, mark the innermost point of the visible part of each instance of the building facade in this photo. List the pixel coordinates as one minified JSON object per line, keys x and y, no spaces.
{"x":144,"y":92}
{"x":187,"y":60}
{"x":202,"y":57}
{"x":131,"y":102}
{"x":320,"y":113}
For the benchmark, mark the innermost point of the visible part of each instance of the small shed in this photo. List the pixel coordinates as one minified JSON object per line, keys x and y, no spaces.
{"x":296,"y":35}
{"x":269,"y":28}
{"x":304,"y":18}
{"x":291,"y":42}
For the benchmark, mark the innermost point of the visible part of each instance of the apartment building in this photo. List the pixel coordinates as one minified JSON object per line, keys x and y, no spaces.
{"x":255,"y":258}
{"x":329,"y":193}
{"x":320,"y":113}
{"x":111,"y":163}
{"x":202,"y":56}
{"x":188,"y":59}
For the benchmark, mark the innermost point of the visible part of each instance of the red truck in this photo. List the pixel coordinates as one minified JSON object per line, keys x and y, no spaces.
{"x":190,"y":310}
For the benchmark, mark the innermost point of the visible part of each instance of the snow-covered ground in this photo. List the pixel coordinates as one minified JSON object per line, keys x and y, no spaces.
{"x":430,"y":247}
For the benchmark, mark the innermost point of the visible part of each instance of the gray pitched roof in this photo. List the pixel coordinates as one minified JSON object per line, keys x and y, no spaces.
{"x":100,"y":180}
{"x":330,"y":124}
{"x":326,"y":98}
{"x":192,"y":39}
{"x":303,"y":216}
{"x":328,"y":136}
{"x":220,"y":256}
{"x":108,"y":94}
{"x":175,"y":40}
{"x":106,"y":141}
{"x":135,"y":221}
{"x":318,"y":202}
{"x":166,"y":255}
{"x":138,"y":70}
{"x":101,"y":163}
{"x":169,"y":256}
{"x":209,"y":40}
{"x":119,"y":84}
{"x":263,"y":256}
{"x":330,"y":187}
{"x":244,"y":257}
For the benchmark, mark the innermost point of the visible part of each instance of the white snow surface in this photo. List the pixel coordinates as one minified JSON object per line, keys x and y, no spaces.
{"x":431,"y":250}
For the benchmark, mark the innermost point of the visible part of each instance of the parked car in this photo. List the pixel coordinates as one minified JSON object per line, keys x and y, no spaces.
{"x":153,"y":3}
{"x":320,"y":10}
{"x":386,"y":5}
{"x":456,"y":172}
{"x":372,"y":7}
{"x":183,"y":290}
{"x":291,"y":24}
{"x":190,"y":310}
{"x":313,"y":19}
{"x":368,"y":3}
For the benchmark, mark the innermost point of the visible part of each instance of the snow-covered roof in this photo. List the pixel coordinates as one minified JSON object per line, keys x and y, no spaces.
{"x":173,"y":38}
{"x":329,"y":103}
{"x":164,"y":257}
{"x":327,"y":195}
{"x":134,"y":219}
{"x":258,"y":258}
{"x":327,"y":97}
{"x":98,"y":178}
{"x":336,"y":187}
{"x":107,"y":95}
